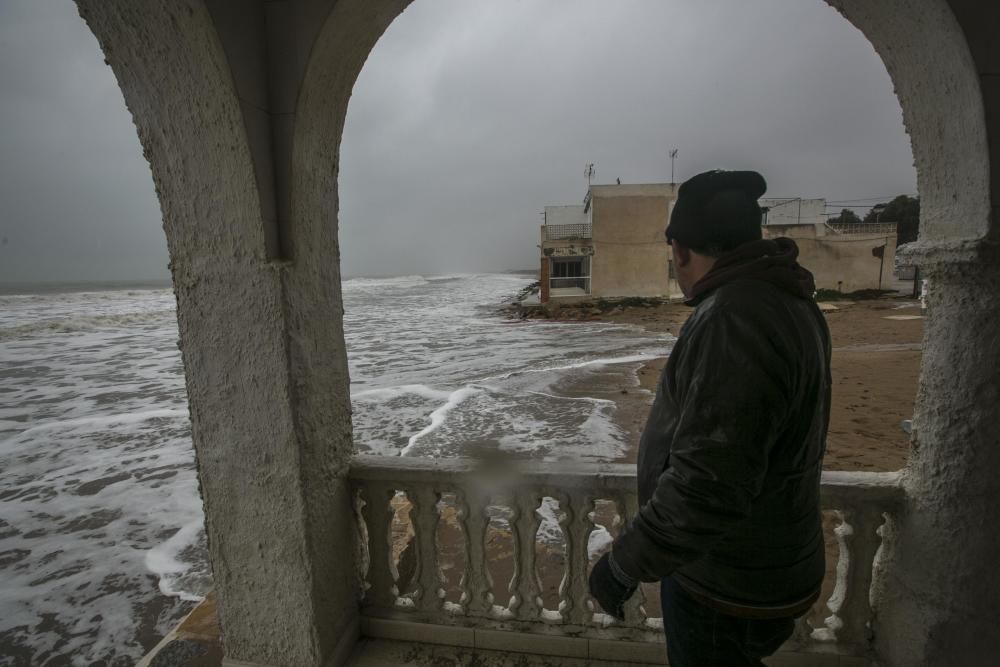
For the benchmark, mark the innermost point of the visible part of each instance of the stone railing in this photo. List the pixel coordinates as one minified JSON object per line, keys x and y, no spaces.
{"x":456,"y":550}
{"x":557,"y":232}
{"x":576,"y":282}
{"x":880,"y":228}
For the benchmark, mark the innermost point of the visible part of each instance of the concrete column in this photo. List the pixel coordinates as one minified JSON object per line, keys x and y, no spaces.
{"x":937,"y":593}
{"x":543,"y":280}
{"x":260,"y":321}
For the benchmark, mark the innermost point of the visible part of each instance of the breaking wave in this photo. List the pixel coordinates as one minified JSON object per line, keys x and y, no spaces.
{"x":83,"y":323}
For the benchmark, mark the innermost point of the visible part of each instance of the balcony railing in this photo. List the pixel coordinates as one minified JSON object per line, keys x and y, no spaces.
{"x":579,"y":282}
{"x":880,"y":229}
{"x":567,"y":232}
{"x":435,"y":569}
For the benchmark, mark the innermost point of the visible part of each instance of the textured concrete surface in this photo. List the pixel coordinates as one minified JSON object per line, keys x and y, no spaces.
{"x":261,"y":340}
{"x":926,"y":54}
{"x":630,"y":251}
{"x":841,"y":262}
{"x":937,"y":594}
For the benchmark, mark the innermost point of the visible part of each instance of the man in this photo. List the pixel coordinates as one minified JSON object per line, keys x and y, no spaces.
{"x":730,"y":459}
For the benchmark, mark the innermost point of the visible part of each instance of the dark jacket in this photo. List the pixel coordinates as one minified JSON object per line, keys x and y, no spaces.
{"x":730,"y":459}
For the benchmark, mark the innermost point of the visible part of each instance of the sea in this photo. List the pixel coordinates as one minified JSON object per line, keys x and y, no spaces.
{"x":102,"y":546}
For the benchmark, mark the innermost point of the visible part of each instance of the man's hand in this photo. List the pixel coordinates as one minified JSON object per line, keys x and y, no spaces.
{"x":611,"y":587}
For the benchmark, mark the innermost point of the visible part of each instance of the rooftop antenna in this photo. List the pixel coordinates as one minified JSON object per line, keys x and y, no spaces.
{"x":673,"y":156}
{"x":589,"y":172}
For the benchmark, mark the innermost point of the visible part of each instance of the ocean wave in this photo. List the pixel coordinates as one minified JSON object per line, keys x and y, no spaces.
{"x":449,"y":277}
{"x":438,"y":417}
{"x":394,"y":282}
{"x":178,"y":577}
{"x":83,"y":323}
{"x":383,"y":394}
{"x":588,"y":363}
{"x":98,"y":422}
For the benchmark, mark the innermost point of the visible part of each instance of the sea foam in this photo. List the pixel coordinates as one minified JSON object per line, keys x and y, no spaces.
{"x":102,"y":545}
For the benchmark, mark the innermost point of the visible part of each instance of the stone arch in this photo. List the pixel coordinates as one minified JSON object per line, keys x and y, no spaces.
{"x":258,"y":333}
{"x":926,"y":54}
{"x":247,"y":186}
{"x":938,"y":83}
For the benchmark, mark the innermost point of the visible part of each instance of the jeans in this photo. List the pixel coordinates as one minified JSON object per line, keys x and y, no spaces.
{"x":698,"y":636}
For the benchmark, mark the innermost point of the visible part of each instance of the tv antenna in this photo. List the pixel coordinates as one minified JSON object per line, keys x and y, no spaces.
{"x":673,"y":156}
{"x":589,"y":172}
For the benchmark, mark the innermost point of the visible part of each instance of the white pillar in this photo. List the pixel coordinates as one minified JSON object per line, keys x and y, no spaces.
{"x":260,"y":333}
{"x":937,"y":595}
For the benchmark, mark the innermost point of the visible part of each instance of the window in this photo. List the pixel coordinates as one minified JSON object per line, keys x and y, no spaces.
{"x":570,"y":273}
{"x":568,"y":267}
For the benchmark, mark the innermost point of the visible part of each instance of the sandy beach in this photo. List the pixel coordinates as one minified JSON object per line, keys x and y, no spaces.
{"x":875,"y":365}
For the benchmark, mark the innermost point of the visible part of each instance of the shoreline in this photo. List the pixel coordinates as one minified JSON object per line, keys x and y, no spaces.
{"x":875,"y":369}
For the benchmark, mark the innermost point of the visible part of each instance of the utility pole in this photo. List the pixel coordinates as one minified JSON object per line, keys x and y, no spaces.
{"x":673,"y":156}
{"x":879,"y":251}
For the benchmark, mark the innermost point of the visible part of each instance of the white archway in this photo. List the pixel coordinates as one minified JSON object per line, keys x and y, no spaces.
{"x":241,"y":115}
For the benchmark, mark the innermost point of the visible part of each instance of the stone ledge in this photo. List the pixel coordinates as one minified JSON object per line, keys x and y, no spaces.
{"x":425,"y":643}
{"x":945,"y":253}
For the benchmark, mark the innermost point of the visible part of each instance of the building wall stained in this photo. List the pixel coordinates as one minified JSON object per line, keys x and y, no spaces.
{"x":631,"y":255}
{"x":841,"y":262}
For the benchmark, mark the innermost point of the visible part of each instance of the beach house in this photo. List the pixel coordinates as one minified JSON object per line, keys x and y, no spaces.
{"x":612,"y":245}
{"x":609,"y":247}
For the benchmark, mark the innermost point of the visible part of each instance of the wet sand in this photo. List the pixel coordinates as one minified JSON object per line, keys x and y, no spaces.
{"x":875,"y":367}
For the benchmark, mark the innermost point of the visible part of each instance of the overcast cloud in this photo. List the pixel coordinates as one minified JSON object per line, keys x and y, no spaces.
{"x":468,"y":118}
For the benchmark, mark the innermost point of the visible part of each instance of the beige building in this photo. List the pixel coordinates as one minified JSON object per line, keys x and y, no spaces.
{"x":845,"y":258}
{"x":841,"y":257}
{"x":611,"y":246}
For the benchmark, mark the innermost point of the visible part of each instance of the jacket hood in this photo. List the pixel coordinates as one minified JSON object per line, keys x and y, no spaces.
{"x":771,"y":260}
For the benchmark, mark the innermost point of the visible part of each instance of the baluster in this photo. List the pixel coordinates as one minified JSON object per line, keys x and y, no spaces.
{"x":634,"y":614}
{"x":476,"y":582}
{"x":424,"y":517}
{"x":578,"y":528}
{"x":862,"y":543}
{"x":802,"y":634}
{"x":378,"y":517}
{"x":525,"y":523}
{"x":362,"y":554}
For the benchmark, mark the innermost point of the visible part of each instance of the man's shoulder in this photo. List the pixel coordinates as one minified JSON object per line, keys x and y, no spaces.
{"x":740,"y":298}
{"x":751,"y":308}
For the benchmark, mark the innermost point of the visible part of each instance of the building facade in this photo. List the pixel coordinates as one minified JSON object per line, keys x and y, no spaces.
{"x":611,"y":246}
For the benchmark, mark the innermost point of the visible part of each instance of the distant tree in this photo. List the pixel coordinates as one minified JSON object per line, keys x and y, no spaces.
{"x":847,"y":216}
{"x":904,"y":211}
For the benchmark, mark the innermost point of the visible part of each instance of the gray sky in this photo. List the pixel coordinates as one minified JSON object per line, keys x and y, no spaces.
{"x":467,"y":119}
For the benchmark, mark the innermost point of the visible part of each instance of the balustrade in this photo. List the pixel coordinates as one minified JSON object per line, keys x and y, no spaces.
{"x":545,"y":513}
{"x":567,"y":232}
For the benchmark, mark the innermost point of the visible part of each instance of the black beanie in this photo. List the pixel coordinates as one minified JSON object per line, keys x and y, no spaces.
{"x":717,"y":210}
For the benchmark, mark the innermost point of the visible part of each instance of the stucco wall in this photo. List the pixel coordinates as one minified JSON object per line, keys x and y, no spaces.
{"x":567,"y":248}
{"x":841,"y":261}
{"x":848,"y":263}
{"x":794,"y":211}
{"x":631,"y":254}
{"x":565,"y":215}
